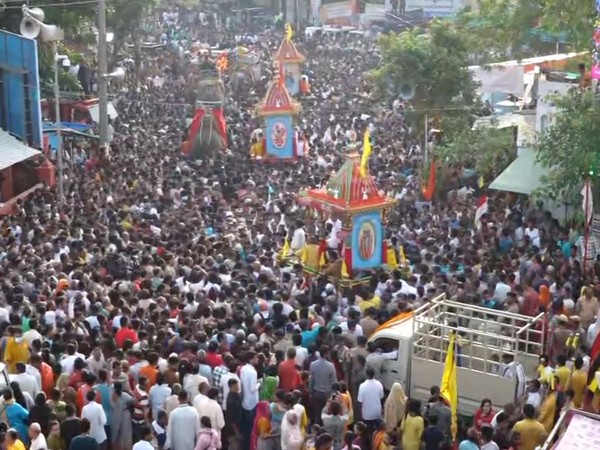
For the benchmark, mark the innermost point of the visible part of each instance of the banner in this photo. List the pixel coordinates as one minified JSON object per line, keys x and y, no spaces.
{"x":338,"y":13}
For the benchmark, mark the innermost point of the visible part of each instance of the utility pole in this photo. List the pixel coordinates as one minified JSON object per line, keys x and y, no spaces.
{"x":102,"y":71}
{"x":58,"y":125}
{"x":426,"y":148}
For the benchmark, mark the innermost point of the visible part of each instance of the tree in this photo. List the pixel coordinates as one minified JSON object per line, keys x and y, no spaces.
{"x":486,"y":150}
{"x":125,"y":19}
{"x":570,"y":147}
{"x":501,"y":29}
{"x":434,"y":63}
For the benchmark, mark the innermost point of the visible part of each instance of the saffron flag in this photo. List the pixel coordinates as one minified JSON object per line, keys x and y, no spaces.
{"x":223,"y":62}
{"x":482,"y":208}
{"x":448,"y":386}
{"x":289,"y":32}
{"x":365,"y":153}
{"x":429,"y":190}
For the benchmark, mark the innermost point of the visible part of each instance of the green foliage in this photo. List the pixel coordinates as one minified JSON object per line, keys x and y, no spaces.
{"x":486,"y":150}
{"x":72,"y":18}
{"x":501,"y":29}
{"x":434,"y":63}
{"x":570,"y":147}
{"x":66,"y":81}
{"x":125,"y":19}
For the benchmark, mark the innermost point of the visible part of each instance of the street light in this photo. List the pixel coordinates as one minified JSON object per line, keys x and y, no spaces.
{"x":31,"y":27}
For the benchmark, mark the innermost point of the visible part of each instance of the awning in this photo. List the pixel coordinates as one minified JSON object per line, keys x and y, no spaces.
{"x":13,"y":151}
{"x":522,"y":176}
{"x":95,"y":112}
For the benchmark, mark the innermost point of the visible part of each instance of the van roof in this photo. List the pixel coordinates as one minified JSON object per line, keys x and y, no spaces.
{"x":402,"y":329}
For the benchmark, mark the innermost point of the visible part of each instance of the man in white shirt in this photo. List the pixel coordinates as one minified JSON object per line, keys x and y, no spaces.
{"x":145,"y":442}
{"x":370,"y":394}
{"x":38,"y":441}
{"x":32,"y":334}
{"x":224,"y":386}
{"x":94,"y":412}
{"x":68,"y":360}
{"x":184,"y":425}
{"x":28,"y":382}
{"x":250,"y":386}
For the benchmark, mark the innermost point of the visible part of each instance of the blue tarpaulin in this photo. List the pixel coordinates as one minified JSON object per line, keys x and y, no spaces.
{"x":75,"y":126}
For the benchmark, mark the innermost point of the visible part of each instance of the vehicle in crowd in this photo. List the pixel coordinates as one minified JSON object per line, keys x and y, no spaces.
{"x":415,"y":345}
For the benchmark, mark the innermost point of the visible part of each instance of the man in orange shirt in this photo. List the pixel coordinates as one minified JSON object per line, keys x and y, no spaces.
{"x":289,"y":377}
{"x":46,"y":374}
{"x":150,"y":371}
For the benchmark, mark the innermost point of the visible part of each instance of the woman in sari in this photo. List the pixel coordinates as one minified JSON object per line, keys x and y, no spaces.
{"x":346,"y":400}
{"x":269,"y":384}
{"x":121,"y":429}
{"x":380,"y":438}
{"x":394,"y":408}
{"x":278,"y":409}
{"x":291,"y":435}
{"x":15,"y":416}
{"x":261,"y":438}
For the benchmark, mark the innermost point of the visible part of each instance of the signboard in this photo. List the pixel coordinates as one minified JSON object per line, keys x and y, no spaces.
{"x":20,"y":110}
{"x":338,"y":13}
{"x":375,"y":12}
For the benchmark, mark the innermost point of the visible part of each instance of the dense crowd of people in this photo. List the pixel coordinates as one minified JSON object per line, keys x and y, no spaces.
{"x":152,"y":311}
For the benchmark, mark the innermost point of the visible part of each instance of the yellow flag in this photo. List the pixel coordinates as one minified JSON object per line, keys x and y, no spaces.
{"x":304,"y":255}
{"x":481,"y":182}
{"x":392,"y":262}
{"x":402,"y":255}
{"x":448,"y":386}
{"x":322,"y":260}
{"x":285,"y":251}
{"x":366,"y":152}
{"x":344,"y":269}
{"x":289,"y":32}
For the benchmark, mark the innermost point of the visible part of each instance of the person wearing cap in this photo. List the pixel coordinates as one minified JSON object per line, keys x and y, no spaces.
{"x":558,"y":337}
{"x":587,"y":307}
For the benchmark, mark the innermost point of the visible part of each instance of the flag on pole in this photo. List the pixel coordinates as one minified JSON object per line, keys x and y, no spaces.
{"x":365,"y":153}
{"x":285,"y":251}
{"x":322,"y":260}
{"x":304,"y":255}
{"x":588,"y":201}
{"x":402,"y":255}
{"x":482,"y":208}
{"x":429,"y":190}
{"x":289,"y":32}
{"x":391,"y":259}
{"x":344,"y":269}
{"x":223,"y":62}
{"x":448,"y":386}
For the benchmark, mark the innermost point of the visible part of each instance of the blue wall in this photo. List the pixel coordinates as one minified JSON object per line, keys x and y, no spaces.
{"x":19,"y":54}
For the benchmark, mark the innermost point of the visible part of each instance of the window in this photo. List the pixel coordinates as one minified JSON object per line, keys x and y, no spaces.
{"x":544,"y":123}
